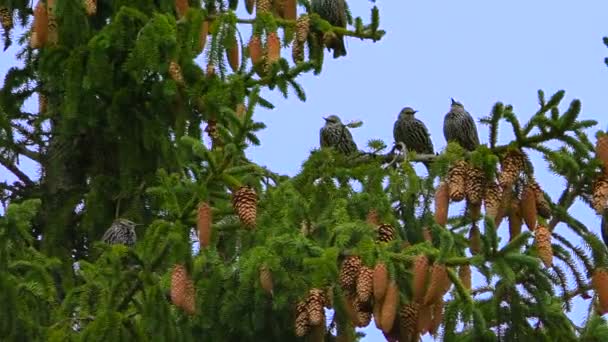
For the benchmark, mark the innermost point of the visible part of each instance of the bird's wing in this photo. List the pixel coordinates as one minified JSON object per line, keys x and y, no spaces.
{"x":425,"y":136}
{"x":471,"y":129}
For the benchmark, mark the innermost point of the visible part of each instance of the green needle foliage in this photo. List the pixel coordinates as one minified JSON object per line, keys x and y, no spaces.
{"x":126,"y":107}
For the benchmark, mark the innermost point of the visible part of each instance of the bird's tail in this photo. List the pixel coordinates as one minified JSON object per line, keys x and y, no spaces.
{"x":339,"y":47}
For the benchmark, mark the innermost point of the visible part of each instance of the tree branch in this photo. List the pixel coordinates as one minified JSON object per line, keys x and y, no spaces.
{"x":15,"y":170}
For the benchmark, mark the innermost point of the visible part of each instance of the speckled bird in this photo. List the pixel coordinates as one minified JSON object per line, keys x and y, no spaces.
{"x":413,"y":133}
{"x":122,"y":231}
{"x":334,"y":11}
{"x":459,"y":126}
{"x":335,"y":134}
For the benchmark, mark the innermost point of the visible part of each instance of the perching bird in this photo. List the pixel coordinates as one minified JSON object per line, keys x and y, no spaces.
{"x":412,"y":132}
{"x":334,"y":11}
{"x":459,"y":126}
{"x":122,"y":231}
{"x":335,"y":134}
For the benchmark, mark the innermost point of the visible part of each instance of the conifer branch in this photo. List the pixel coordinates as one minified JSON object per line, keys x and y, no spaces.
{"x":16,"y":171}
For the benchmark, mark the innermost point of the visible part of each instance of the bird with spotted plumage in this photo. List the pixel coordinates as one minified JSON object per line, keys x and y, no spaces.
{"x":122,"y":231}
{"x":413,"y":133}
{"x":336,"y":135}
{"x":335,"y":12}
{"x":459,"y":126}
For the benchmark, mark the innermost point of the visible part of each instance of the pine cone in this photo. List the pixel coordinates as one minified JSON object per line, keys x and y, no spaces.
{"x":302,"y":323}
{"x":232,"y":54}
{"x":290,"y":9}
{"x":240,"y":110}
{"x":6,"y":19}
{"x":244,"y":203}
{"x":600,"y":285}
{"x":492,"y":202}
{"x":425,"y":316}
{"x":314,"y":306}
{"x":349,"y":272}
{"x":203,"y":224}
{"x":40,"y":26}
{"x":249,"y":6}
{"x":475,"y":185}
{"x":542,"y":240}
{"x":438,"y":284}
{"x":542,"y":206}
{"x":601,"y":151}
{"x":511,"y":166}
{"x":263,"y":6}
{"x":389,"y":306}
{"x":372,"y":218}
{"x":256,"y":53}
{"x":408,"y":321}
{"x":42,"y":103}
{"x":181,"y":7}
{"x":442,"y":202}
{"x":203,"y":35}
{"x":364,"y":318}
{"x":90,"y":7}
{"x":528,"y":207}
{"x":52,"y":22}
{"x":426,"y":234}
{"x":473,"y":211}
{"x":302,"y":28}
{"x":474,"y":240}
{"x":437,"y":313}
{"x":515,"y":220}
{"x":457,"y":179}
{"x":182,"y":289}
{"x":175,"y":71}
{"x":266,"y":280}
{"x":600,"y":194}
{"x":377,"y":313}
{"x":380,"y":282}
{"x":386,"y":233}
{"x":420,"y":269}
{"x":464,"y":273}
{"x":297,"y":52}
{"x":273,"y":48}
{"x":210,"y":72}
{"x":365,"y":284}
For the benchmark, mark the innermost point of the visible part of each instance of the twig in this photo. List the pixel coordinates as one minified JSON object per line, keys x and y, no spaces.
{"x":15,"y":170}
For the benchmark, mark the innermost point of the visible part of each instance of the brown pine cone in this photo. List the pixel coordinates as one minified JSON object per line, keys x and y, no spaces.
{"x":365,"y":284}
{"x":232,"y":54}
{"x":438,"y":284}
{"x":6,"y":19}
{"x":511,"y":166}
{"x":515,"y":219}
{"x":273,"y":49}
{"x":420,"y":270}
{"x":256,"y":52}
{"x":182,"y":290}
{"x":601,"y":151}
{"x":302,"y":323}
{"x":203,"y":35}
{"x":457,"y":179}
{"x":386,"y":233}
{"x":349,"y":272}
{"x":203,"y":224}
{"x":263,"y":6}
{"x":380,"y":282}
{"x":389,"y":306}
{"x":600,"y":194}
{"x":475,"y":240}
{"x":442,"y":203}
{"x":42,"y":103}
{"x":542,"y":240}
{"x":372,"y":218}
{"x":426,"y":234}
{"x":244,"y":202}
{"x":290,"y":9}
{"x":437,"y":317}
{"x":314,"y":305}
{"x":52,"y":22}
{"x":464,"y":273}
{"x":425,"y":316}
{"x":249,"y":6}
{"x":542,"y":206}
{"x":90,"y":7}
{"x":475,"y":185}
{"x":492,"y":202}
{"x":408,"y":321}
{"x":40,"y":26}
{"x":266,"y":280}
{"x":600,"y":285}
{"x":175,"y":71}
{"x":302,"y":28}
{"x":181,"y":7}
{"x":297,"y":52}
{"x":527,"y":207}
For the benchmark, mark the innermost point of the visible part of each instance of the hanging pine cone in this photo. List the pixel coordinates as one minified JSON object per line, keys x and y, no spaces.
{"x":473,"y":211}
{"x":203,"y":224}
{"x":437,"y":317}
{"x":464,"y":274}
{"x":256,"y":54}
{"x":420,"y":269}
{"x":457,"y":178}
{"x":40,"y":26}
{"x":244,"y":202}
{"x":6,"y":19}
{"x":425,"y":316}
{"x":203,"y":35}
{"x":601,"y":151}
{"x":475,"y":240}
{"x":182,"y":290}
{"x":389,"y":306}
{"x":249,"y":6}
{"x":266,"y":280}
{"x":302,"y":323}
{"x":349,"y":272}
{"x":511,"y":166}
{"x":408,"y":321}
{"x":365,"y":284}
{"x":515,"y":219}
{"x":426,"y":234}
{"x":492,"y":202}
{"x":380,"y":282}
{"x":528,"y":207}
{"x":297,"y":52}
{"x":438,"y":283}
{"x":42,"y":103}
{"x":372,"y":218}
{"x":314,"y":306}
{"x":377,"y":313}
{"x":542,"y":240}
{"x":600,"y":194}
{"x":364,"y":318}
{"x":442,"y":202}
{"x":386,"y":233}
{"x":52,"y":22}
{"x":600,"y":285}
{"x":542,"y":206}
{"x":475,"y":185}
{"x":302,"y":28}
{"x":263,"y":6}
{"x":273,"y":49}
{"x":232,"y":54}
{"x":290,"y":9}
{"x":181,"y":7}
{"x":240,"y":110}
{"x":90,"y":7}
{"x":175,"y":71}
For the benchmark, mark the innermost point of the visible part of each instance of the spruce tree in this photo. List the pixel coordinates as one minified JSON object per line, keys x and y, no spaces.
{"x":129,"y":93}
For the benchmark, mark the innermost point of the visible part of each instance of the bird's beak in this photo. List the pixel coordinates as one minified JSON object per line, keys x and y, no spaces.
{"x":415,"y":111}
{"x":326,"y":119}
{"x":453,"y":100}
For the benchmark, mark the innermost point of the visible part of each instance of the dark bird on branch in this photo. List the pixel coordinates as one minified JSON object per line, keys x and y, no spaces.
{"x":459,"y":126}
{"x":335,"y":12}
{"x":122,"y":231}
{"x":413,"y":133}
{"x":335,"y":134}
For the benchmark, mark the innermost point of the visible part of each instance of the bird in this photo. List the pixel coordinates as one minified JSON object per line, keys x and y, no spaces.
{"x":122,"y":231}
{"x":335,"y":134}
{"x":335,"y":12}
{"x":459,"y":126}
{"x":413,"y":133}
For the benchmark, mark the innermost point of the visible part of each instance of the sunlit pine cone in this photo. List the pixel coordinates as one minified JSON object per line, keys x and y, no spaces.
{"x":511,"y":166}
{"x":542,"y":240}
{"x":456,"y":179}
{"x":244,"y":202}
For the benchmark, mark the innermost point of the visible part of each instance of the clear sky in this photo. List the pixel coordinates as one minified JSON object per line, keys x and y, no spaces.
{"x":478,"y":52}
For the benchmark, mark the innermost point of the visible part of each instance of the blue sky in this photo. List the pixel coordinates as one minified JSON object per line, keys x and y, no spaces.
{"x":477,"y":52}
